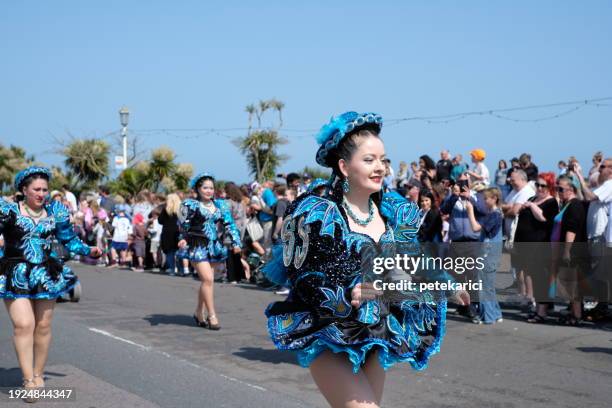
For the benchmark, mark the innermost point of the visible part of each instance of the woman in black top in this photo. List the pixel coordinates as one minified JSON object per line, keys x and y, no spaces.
{"x":168,"y":219}
{"x":535,"y":222}
{"x":571,"y":254}
{"x":431,"y":222}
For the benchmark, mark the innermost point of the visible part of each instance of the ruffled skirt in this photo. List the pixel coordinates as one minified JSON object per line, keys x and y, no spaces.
{"x":409,"y":332}
{"x":200,"y":249}
{"x":22,"y":279}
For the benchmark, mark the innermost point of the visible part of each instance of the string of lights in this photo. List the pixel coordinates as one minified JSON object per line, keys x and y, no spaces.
{"x":577,"y":105}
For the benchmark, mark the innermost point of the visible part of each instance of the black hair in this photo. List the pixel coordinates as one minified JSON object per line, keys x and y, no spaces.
{"x":345,"y":151}
{"x":427,"y":193}
{"x":19,"y":196}
{"x":429,"y":163}
{"x":200,"y":182}
{"x":291,"y":177}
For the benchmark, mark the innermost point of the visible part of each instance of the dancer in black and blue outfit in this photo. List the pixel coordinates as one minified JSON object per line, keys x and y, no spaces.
{"x":32,"y":276}
{"x":204,"y":222}
{"x":334,"y":319}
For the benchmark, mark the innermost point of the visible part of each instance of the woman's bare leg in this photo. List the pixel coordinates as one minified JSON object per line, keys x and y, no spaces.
{"x":376,"y":376}
{"x":205,"y":293}
{"x":341,"y":388}
{"x":520,"y":276}
{"x":529,"y":288}
{"x":247,"y":269}
{"x":259,"y":249}
{"x":43,"y":312}
{"x":21,"y":312}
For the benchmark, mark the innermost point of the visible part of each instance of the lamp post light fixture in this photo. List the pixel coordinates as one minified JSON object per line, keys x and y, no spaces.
{"x":124,"y":116}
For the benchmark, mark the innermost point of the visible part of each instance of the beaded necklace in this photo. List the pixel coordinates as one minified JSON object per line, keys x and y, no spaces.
{"x":354,"y":216}
{"x":32,"y":213}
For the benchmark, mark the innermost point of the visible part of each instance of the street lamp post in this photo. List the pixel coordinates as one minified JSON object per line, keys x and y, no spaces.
{"x":124,"y":116}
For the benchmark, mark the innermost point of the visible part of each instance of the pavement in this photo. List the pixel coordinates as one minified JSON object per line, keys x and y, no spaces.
{"x":131,"y":342}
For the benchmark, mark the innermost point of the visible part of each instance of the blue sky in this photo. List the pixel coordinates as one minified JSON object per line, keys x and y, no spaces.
{"x":68,"y":66}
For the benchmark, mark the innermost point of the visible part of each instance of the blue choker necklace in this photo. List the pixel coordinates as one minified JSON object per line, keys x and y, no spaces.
{"x":354,"y":217}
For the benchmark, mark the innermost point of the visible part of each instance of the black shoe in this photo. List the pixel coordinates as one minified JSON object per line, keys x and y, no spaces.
{"x":212,"y":326}
{"x":203,"y":324}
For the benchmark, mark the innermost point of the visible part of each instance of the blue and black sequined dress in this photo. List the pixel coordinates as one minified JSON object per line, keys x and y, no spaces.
{"x":322,"y":260}
{"x":204,"y":230}
{"x":29,"y":268}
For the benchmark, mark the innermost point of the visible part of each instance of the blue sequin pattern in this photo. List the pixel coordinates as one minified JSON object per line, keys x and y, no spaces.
{"x":204,"y":230}
{"x":317,"y":314}
{"x":29,"y":268}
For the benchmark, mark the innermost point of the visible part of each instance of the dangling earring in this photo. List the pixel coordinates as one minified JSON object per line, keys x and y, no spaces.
{"x":345,"y":185}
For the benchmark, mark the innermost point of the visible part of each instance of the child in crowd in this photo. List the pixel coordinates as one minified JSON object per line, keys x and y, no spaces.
{"x":155,"y":230}
{"x":139,"y":235}
{"x":122,"y":228}
{"x":79,"y":226}
{"x":490,"y":228}
{"x":101,"y":231}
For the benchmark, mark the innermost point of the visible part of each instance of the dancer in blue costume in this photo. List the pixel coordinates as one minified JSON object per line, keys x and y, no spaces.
{"x":336,"y":322}
{"x":32,"y":276}
{"x":203,"y":222}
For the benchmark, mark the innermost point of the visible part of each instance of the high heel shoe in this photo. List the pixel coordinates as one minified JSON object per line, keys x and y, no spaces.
{"x":203,"y":324}
{"x":26,"y":385}
{"x":212,"y":326}
{"x":41,"y":379}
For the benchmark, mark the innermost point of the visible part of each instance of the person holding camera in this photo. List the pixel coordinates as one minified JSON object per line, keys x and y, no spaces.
{"x":461,"y":234}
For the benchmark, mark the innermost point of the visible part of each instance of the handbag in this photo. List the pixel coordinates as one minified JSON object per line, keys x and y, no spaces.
{"x":254,"y":229}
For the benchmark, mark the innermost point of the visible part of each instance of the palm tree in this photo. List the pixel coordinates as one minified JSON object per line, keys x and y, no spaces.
{"x":182,"y":175}
{"x":260,"y":150}
{"x":263,"y":107}
{"x":60,"y":178}
{"x":12,"y":160}
{"x":161,"y":165}
{"x":278,"y":106}
{"x":251,"y":110}
{"x":133,"y":180}
{"x":88,"y":159}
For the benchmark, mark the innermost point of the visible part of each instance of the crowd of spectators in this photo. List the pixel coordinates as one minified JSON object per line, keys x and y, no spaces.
{"x":517,"y":206}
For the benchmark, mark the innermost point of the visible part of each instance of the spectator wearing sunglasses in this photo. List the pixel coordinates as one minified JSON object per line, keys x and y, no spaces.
{"x":599,"y":234}
{"x":535,"y":222}
{"x":569,"y":229}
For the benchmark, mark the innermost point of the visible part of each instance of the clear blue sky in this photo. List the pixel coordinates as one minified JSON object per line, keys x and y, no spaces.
{"x":70,"y":65}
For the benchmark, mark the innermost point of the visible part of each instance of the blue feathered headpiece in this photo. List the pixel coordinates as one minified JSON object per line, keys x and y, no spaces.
{"x":23,"y":174}
{"x":332,"y":133}
{"x":194,"y":181}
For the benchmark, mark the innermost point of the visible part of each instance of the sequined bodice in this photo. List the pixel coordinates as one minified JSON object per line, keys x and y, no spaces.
{"x":32,"y":241}
{"x":197,"y":220}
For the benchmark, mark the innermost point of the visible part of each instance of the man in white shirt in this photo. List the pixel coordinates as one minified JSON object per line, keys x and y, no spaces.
{"x":600,"y":207}
{"x":599,"y":233}
{"x":70,"y":198}
{"x":520,"y":194}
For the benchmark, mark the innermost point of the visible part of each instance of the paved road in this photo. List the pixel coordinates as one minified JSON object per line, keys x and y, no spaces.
{"x":130,"y":342}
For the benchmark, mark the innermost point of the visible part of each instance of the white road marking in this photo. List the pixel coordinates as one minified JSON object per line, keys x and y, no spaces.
{"x":112,"y":336}
{"x":163,"y":353}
